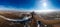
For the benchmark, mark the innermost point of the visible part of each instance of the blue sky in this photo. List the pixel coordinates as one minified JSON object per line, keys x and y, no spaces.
{"x":29,"y":4}
{"x":18,"y":3}
{"x":55,"y":3}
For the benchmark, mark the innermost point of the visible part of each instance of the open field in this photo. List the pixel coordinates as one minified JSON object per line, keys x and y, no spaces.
{"x":18,"y":15}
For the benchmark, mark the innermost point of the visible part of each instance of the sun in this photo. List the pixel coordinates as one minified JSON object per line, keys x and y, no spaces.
{"x":44,"y":4}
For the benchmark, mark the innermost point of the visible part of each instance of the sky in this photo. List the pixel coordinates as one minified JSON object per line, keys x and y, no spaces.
{"x":55,"y":3}
{"x":29,"y":5}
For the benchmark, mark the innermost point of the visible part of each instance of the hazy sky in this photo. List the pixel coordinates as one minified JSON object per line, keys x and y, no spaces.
{"x":29,"y":4}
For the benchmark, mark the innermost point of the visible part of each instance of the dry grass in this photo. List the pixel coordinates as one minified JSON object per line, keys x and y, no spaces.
{"x":15,"y":15}
{"x":4,"y":23}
